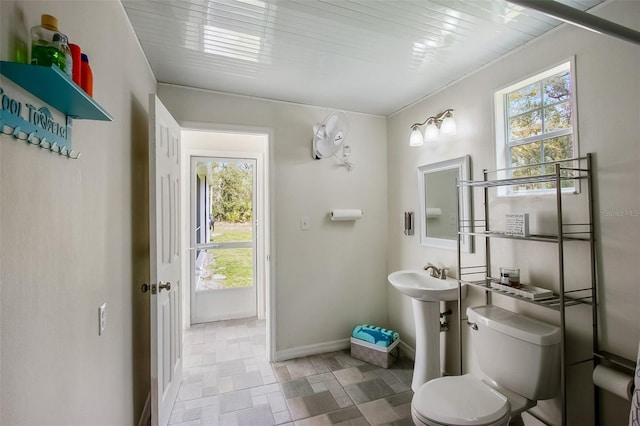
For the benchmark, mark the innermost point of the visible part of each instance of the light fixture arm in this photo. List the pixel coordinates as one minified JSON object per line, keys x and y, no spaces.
{"x":581,"y":19}
{"x":437,"y":120}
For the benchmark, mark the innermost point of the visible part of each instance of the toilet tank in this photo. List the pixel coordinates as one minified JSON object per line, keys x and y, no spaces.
{"x":519,"y":353}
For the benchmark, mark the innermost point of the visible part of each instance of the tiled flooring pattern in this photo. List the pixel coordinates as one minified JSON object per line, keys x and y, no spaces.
{"x":227,"y":381}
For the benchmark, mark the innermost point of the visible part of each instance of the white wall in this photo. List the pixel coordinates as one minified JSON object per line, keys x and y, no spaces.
{"x":608,"y":93}
{"x":74,"y":234}
{"x":331,"y":277}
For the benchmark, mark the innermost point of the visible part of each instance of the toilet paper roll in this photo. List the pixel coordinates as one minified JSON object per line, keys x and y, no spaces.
{"x":613,"y":381}
{"x":346,"y":214}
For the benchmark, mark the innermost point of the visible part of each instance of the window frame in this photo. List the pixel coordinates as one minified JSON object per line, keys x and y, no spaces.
{"x":501,"y":130}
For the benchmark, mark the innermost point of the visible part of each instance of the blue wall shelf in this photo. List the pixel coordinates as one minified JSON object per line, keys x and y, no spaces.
{"x":37,"y":126}
{"x":54,"y":87}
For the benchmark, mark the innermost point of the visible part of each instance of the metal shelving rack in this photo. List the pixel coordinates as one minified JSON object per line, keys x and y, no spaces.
{"x":576,"y":169}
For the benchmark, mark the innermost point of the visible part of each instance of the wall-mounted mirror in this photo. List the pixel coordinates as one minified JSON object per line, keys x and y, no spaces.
{"x":439,"y":204}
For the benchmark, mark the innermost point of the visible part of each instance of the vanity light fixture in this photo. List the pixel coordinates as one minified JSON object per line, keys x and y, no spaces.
{"x":439,"y":125}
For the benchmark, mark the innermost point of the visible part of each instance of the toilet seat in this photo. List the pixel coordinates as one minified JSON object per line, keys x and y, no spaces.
{"x":460,"y":400}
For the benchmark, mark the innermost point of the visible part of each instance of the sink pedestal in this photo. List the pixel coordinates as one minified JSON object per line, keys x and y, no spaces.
{"x":426,"y":293}
{"x":427,"y":362}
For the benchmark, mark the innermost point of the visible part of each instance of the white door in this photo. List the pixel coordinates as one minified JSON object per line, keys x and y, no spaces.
{"x":223,"y":239}
{"x":164,"y":224}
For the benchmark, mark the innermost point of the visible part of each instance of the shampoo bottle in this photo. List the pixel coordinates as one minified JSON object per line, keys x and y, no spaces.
{"x":87,"y":76}
{"x":76,"y":53}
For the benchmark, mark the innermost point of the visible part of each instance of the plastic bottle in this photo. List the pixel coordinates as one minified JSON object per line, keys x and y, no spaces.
{"x":76,"y":53}
{"x":87,"y":76}
{"x":45,"y":50}
{"x":66,"y":49}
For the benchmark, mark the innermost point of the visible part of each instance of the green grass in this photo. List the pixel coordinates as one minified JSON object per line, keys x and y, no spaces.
{"x":226,"y":232}
{"x":235,"y":264}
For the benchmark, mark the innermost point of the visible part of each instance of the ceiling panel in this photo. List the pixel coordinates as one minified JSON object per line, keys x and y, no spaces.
{"x":358,"y":55}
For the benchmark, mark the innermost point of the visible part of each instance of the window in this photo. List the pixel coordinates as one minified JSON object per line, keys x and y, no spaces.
{"x":535,"y":123}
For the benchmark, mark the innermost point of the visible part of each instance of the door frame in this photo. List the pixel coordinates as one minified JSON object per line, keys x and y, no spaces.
{"x":266,"y":249}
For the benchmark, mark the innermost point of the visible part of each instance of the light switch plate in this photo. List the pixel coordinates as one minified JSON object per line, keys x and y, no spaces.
{"x":304,"y":223}
{"x":102,"y":318}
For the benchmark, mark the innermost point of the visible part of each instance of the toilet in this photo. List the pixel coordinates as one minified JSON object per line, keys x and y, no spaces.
{"x":520,"y":361}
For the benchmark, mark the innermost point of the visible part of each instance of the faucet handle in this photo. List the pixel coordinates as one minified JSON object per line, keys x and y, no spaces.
{"x":443,"y":273}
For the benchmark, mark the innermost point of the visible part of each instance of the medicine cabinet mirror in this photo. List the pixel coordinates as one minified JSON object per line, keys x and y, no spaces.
{"x":439,"y":205}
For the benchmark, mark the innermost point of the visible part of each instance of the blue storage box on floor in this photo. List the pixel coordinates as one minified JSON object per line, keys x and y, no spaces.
{"x":375,"y":345}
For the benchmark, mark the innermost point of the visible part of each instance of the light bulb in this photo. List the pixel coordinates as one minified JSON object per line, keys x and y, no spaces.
{"x":431,"y":132}
{"x":416,"y":138}
{"x":448,"y":126}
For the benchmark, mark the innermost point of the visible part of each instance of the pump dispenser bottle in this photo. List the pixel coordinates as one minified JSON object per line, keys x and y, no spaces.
{"x":45,"y":44}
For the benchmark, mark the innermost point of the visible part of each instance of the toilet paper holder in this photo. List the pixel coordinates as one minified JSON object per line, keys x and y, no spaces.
{"x":615,"y":375}
{"x":624,"y":363}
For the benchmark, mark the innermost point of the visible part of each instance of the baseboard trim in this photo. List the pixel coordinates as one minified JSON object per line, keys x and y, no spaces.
{"x":334,"y":345}
{"x":314,"y":349}
{"x":145,"y":417}
{"x":407,"y":350}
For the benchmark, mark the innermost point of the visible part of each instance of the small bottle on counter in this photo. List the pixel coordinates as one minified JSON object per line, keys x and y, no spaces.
{"x":86,"y":75}
{"x":45,"y":44}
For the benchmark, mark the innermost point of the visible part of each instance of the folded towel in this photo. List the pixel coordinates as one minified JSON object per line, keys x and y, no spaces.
{"x":376,"y":335}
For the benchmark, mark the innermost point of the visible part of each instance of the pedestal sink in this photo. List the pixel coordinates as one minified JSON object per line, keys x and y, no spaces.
{"x":426,"y":292}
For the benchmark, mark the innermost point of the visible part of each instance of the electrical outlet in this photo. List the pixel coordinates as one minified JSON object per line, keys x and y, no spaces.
{"x":102,"y":318}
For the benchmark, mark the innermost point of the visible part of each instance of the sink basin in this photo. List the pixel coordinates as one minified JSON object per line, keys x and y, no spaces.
{"x":419,"y":285}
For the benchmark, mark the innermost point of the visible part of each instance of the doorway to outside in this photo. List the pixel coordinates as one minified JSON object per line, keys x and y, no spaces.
{"x":226,"y":231}
{"x":223,"y":258}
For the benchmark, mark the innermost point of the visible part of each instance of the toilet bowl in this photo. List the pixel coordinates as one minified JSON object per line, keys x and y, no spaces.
{"x":459,"y":400}
{"x":466,"y":400}
{"x":512,"y":381}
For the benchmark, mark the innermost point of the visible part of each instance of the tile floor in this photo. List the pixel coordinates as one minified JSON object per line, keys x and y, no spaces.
{"x":227,"y":381}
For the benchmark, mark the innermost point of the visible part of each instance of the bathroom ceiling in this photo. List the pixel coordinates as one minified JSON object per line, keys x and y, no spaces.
{"x":357,"y":55}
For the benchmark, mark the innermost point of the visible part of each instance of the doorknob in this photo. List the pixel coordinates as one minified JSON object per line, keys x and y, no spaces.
{"x":165,"y":286}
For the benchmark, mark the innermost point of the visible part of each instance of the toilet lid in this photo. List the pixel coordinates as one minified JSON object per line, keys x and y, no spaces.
{"x":460,"y":400}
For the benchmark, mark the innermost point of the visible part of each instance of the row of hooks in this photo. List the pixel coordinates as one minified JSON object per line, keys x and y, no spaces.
{"x":43,"y":143}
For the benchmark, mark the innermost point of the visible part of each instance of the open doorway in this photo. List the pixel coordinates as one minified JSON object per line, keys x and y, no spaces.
{"x":226,"y":231}
{"x":223,"y":239}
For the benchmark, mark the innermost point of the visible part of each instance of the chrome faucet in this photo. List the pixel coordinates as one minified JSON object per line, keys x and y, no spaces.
{"x":437,"y":272}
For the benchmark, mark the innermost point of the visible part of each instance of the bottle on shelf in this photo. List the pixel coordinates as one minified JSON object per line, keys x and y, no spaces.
{"x":86,"y":75}
{"x":76,"y":73}
{"x":45,"y":44}
{"x":64,"y":47}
